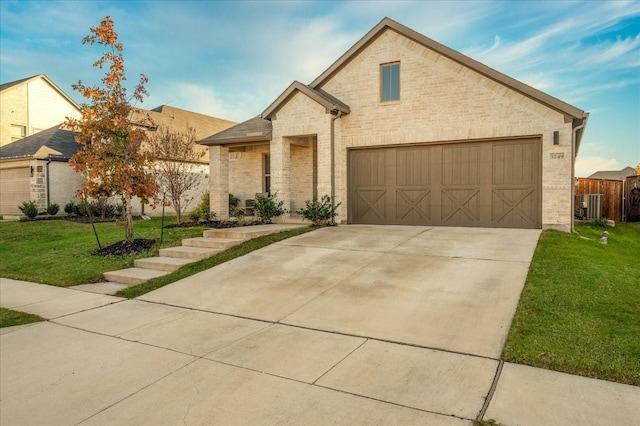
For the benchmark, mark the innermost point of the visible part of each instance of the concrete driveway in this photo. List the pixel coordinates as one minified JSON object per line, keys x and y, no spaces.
{"x":346,"y":325}
{"x":446,"y":288}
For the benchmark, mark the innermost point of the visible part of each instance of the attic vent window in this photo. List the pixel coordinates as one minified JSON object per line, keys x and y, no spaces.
{"x":390,"y":82}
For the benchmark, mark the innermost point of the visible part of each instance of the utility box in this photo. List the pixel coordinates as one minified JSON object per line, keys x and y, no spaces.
{"x":591,"y":205}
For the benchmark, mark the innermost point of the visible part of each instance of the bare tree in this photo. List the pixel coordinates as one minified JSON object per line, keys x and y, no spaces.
{"x":176,"y":167}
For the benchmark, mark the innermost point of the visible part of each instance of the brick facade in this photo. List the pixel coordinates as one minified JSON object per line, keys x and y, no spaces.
{"x":441,"y":101}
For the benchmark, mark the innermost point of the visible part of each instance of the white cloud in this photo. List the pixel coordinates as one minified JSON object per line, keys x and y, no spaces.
{"x":586,"y":166}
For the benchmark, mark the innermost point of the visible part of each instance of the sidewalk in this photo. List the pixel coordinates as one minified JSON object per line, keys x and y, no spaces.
{"x":107,"y":360}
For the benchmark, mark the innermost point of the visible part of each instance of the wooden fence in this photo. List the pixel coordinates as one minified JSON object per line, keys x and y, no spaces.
{"x":611,"y":191}
{"x":632,"y":203}
{"x":618,"y":202}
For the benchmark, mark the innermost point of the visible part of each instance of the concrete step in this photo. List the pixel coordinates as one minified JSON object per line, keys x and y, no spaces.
{"x":132,"y":276}
{"x":185,"y":252}
{"x":249,"y":232}
{"x":224,"y":233}
{"x":162,"y":263}
{"x":216,"y":243}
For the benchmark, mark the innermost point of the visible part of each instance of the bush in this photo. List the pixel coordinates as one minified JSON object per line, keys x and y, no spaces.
{"x":269,"y":207}
{"x":233,"y":202}
{"x":69,"y":208}
{"x":29,"y":209}
{"x":53,"y":209}
{"x":320,"y":213}
{"x":202,"y":212}
{"x":85,"y":208}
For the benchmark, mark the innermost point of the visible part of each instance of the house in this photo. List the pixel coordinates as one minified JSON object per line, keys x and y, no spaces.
{"x":37,"y":167}
{"x":614,"y":174}
{"x":31,"y":105}
{"x":403,"y":130}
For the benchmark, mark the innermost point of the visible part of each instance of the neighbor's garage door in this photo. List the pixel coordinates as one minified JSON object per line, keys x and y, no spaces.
{"x":491,"y":184}
{"x":14,"y":189}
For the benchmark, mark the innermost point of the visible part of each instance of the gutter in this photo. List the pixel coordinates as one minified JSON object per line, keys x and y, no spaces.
{"x":333,"y":163}
{"x":574,"y":155}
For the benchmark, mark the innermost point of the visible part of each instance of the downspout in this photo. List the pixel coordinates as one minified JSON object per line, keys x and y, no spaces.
{"x":48,"y":185}
{"x":333,"y":165}
{"x":574,"y":155}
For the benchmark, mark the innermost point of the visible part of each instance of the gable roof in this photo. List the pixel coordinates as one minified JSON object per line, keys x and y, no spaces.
{"x":389,"y":24}
{"x":320,"y":96}
{"x":16,"y":83}
{"x":56,"y":143}
{"x":614,"y":174}
{"x":255,"y":129}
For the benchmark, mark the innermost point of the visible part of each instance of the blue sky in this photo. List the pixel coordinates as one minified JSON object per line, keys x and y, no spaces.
{"x":232,"y":59}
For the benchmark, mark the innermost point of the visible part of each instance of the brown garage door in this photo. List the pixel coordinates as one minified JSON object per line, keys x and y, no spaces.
{"x":14,"y":189}
{"x":492,"y":184}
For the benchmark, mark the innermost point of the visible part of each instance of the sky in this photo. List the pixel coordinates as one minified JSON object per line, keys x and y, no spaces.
{"x":231,"y":59}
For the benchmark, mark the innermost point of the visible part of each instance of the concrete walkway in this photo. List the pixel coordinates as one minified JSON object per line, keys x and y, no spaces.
{"x":346,"y":325}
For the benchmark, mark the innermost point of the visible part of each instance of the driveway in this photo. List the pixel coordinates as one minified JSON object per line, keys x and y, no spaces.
{"x":346,"y":325}
{"x":445,"y":288}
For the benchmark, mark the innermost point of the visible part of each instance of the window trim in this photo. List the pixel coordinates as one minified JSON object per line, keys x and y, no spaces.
{"x":382,"y":68}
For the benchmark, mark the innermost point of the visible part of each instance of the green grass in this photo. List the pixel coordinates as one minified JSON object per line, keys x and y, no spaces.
{"x":59,"y":252}
{"x":580,"y":308}
{"x":225,"y":256}
{"x":9,"y":318}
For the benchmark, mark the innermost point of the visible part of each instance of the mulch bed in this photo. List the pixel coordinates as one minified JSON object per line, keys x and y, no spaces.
{"x":126,"y":248}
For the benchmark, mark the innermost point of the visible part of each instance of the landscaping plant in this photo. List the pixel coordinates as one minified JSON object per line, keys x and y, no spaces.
{"x":203,"y":211}
{"x":70,"y":207}
{"x":53,"y":209}
{"x":320,"y":212}
{"x":111,"y":158}
{"x":269,"y":207}
{"x":29,"y":209}
{"x":176,"y":166}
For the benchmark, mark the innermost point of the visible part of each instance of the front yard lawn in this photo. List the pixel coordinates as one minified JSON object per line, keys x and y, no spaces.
{"x":580,"y":308}
{"x":59,"y":252}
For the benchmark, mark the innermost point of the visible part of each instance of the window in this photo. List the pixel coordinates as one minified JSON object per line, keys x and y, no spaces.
{"x":18,"y":132}
{"x":266,"y":166}
{"x":390,"y":82}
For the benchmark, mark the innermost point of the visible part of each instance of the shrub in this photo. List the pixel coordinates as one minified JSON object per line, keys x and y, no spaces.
{"x":269,"y":207}
{"x":233,"y":202}
{"x":85,"y":208}
{"x":202,"y":212}
{"x":69,"y":208}
{"x":53,"y":209}
{"x":320,"y":213}
{"x":29,"y":209}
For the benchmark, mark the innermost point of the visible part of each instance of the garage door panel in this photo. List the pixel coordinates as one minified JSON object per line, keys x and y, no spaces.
{"x":460,"y":207}
{"x":413,"y":206}
{"x":413,"y":167}
{"x":15,"y":188}
{"x":461,"y":165}
{"x":513,"y":207}
{"x":491,"y":183}
{"x":515,"y":164}
{"x":370,"y":205}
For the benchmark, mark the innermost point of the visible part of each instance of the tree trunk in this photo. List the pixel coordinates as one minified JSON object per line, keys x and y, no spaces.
{"x":128,"y":218}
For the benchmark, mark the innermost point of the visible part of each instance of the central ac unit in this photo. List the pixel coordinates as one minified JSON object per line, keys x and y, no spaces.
{"x":591,"y":204}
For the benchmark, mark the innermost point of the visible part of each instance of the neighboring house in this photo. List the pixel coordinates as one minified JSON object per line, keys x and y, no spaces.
{"x":31,"y":105}
{"x":403,"y":130}
{"x":614,"y":174}
{"x":37,"y":167}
